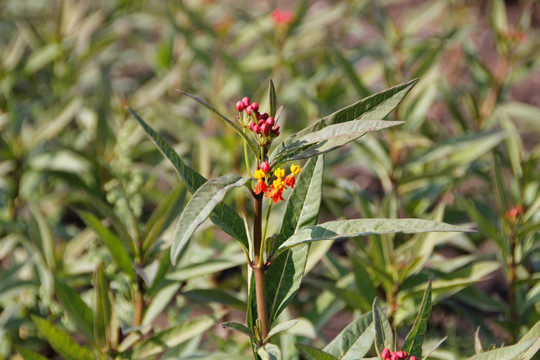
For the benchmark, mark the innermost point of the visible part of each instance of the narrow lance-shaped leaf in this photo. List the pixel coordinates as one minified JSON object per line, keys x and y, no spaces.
{"x":103,"y":312}
{"x":27,"y":354}
{"x":327,"y":139}
{"x":273,"y":100}
{"x":354,"y":341}
{"x":504,"y":353}
{"x":111,"y":241}
{"x":203,"y":201}
{"x":415,"y":338}
{"x":77,"y":309}
{"x":223,"y":216}
{"x":226,"y":120}
{"x":384,"y":336}
{"x":281,"y":327}
{"x":239,"y":327}
{"x":359,"y":227}
{"x":172,"y":337}
{"x":376,"y":106}
{"x":284,"y":275}
{"x":61,"y":342}
{"x":312,"y":353}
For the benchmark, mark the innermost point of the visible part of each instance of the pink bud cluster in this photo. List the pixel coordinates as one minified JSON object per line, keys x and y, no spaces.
{"x":260,"y":124}
{"x":398,"y":355}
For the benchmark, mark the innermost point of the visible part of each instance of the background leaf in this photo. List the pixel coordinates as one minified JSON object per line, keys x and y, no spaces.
{"x":415,"y":338}
{"x":355,"y":340}
{"x":60,"y":341}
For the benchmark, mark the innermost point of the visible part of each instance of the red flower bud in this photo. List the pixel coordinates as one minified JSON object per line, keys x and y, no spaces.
{"x":251,"y":125}
{"x":265,"y":167}
{"x":248,"y":110}
{"x":260,"y":122}
{"x":256,"y":129}
{"x":265,"y":116}
{"x":394,"y":356}
{"x":270,"y":121}
{"x":255,"y":106}
{"x":246,"y":101}
{"x":239,"y":106}
{"x":385,"y":354}
{"x":265,"y":128}
{"x":413,"y":358}
{"x":401,"y":354}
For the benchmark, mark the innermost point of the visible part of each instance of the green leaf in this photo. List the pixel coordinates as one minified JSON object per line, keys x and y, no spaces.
{"x":375,"y":107}
{"x":172,"y":337}
{"x":27,"y":354}
{"x":103,"y":312}
{"x":61,"y":342}
{"x":269,"y":352}
{"x":163,"y":215}
{"x":504,"y":353}
{"x":273,"y":99}
{"x":311,"y":353}
{"x":118,"y":252}
{"x":203,"y":201}
{"x":159,"y":302}
{"x":77,"y":309}
{"x":415,"y":338}
{"x":227,"y":121}
{"x":384,"y":336}
{"x":359,"y":227}
{"x":223,"y":216}
{"x":281,"y":327}
{"x":354,"y":341}
{"x":206,"y":267}
{"x":327,"y":139}
{"x":284,"y":275}
{"x":239,"y":327}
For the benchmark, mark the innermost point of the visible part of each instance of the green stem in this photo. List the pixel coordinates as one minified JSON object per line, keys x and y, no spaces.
{"x":246,"y":158}
{"x":266,"y":223}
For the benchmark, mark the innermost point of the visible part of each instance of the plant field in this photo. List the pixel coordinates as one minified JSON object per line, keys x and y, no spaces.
{"x":403,"y":225}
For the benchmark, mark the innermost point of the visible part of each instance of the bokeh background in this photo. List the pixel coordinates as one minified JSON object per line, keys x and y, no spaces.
{"x":468,"y":153}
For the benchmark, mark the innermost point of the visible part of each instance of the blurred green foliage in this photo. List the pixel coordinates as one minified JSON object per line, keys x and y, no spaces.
{"x":81,"y":185}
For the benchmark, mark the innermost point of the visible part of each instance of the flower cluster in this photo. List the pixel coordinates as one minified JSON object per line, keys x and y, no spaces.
{"x":283,"y":17}
{"x":513,"y":213}
{"x":262,"y":125}
{"x":280,"y":182}
{"x":398,"y":355}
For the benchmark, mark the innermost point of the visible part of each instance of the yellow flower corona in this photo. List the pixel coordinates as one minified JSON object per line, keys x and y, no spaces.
{"x":259,"y":174}
{"x":279,"y":173}
{"x":295,"y":169}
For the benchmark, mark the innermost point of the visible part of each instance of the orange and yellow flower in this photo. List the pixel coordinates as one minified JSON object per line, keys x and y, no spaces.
{"x":276,"y":190}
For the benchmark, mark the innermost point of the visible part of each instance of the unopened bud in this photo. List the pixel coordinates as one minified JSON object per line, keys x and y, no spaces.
{"x":256,"y":129}
{"x":385,"y":354}
{"x":251,"y":125}
{"x":265,"y":128}
{"x":239,"y":106}
{"x":246,"y":101}
{"x":394,"y":357}
{"x":255,"y":106}
{"x":413,"y":358}
{"x":270,"y":121}
{"x":248,"y":110}
{"x":265,"y":167}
